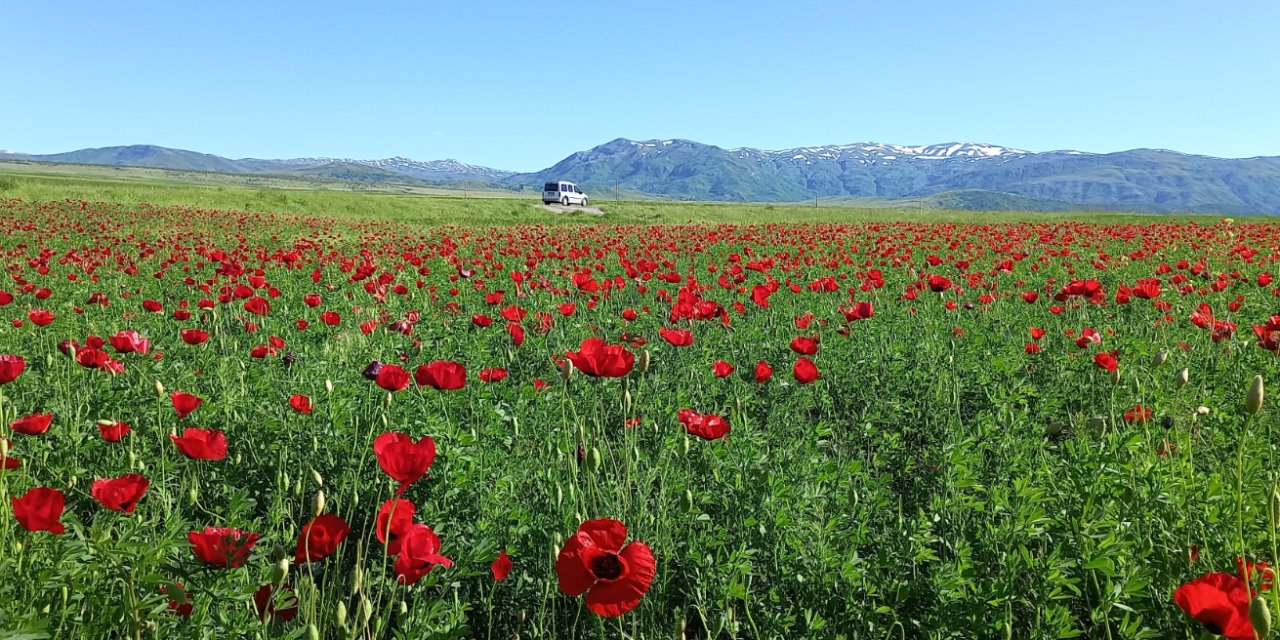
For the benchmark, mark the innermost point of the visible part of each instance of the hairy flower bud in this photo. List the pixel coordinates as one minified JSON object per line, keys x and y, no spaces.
{"x":1183,"y":377}
{"x":1160,"y":358}
{"x":1260,"y":616}
{"x":159,"y":389}
{"x":1253,"y":399}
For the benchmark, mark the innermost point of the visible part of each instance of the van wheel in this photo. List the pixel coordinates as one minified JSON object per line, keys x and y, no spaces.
{"x":585,"y":201}
{"x":564,"y":202}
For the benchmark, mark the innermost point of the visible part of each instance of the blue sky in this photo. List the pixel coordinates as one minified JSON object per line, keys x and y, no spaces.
{"x":520,"y":85}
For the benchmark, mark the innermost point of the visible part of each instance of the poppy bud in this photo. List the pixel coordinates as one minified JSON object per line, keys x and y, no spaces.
{"x":278,"y":552}
{"x":687,"y":501}
{"x":559,"y":495}
{"x":71,"y":482}
{"x":159,"y":389}
{"x":402,"y":612}
{"x":1260,"y":616}
{"x":522,"y":616}
{"x":1183,"y":377}
{"x":1275,"y":509}
{"x":279,"y":571}
{"x":313,"y":633}
{"x":515,"y":425}
{"x":366,"y":610}
{"x":645,"y":359}
{"x":319,"y":502}
{"x":1160,"y":358}
{"x":357,"y":581}
{"x":1202,"y":410}
{"x":1115,"y":376}
{"x":315,"y":475}
{"x":193,"y":494}
{"x":595,"y":459}
{"x":328,"y":385}
{"x":237,"y":459}
{"x":626,"y":401}
{"x":4,"y":448}
{"x":341,"y":616}
{"x":1253,"y":399}
{"x":17,"y":547}
{"x":566,"y":371}
{"x":1052,"y":429}
{"x":133,"y":459}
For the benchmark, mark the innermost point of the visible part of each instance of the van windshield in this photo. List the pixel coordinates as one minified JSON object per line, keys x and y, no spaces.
{"x":551,"y":186}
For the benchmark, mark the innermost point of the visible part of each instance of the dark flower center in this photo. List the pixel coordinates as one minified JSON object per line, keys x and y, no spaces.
{"x":607,"y":566}
{"x":1212,"y":627}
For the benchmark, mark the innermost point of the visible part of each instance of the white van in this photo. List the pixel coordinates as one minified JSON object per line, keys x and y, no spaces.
{"x":565,"y":193}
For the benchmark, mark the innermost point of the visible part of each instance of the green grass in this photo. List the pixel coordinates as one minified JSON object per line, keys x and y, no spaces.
{"x":416,"y":205}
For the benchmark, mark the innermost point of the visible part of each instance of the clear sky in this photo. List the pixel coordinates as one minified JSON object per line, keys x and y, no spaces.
{"x":520,"y":85}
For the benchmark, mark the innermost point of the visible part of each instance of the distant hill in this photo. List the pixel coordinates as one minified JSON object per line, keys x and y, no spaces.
{"x":1139,"y":180}
{"x":957,"y":175}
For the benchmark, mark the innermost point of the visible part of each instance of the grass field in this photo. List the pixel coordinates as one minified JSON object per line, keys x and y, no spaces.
{"x":415,"y":205}
{"x":808,"y":423}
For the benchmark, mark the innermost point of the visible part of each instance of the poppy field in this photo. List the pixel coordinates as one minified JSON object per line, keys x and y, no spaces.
{"x":228,"y":424}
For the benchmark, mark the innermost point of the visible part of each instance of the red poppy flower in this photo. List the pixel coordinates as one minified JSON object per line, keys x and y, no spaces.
{"x":11,"y":367}
{"x":805,"y":345}
{"x":517,"y":333}
{"x":222,"y":547}
{"x":40,"y":509}
{"x":130,"y":342}
{"x":1106,"y":361}
{"x":677,"y":337}
{"x":1030,"y":296}
{"x":1137,"y":414}
{"x":444,"y":375}
{"x":1036,"y":333}
{"x":1219,"y":602}
{"x":311,"y":300}
{"x":300,"y":403}
{"x":721,"y":369}
{"x":1031,"y":348}
{"x":402,"y":458}
{"x":392,"y":378}
{"x":184,"y":403}
{"x":419,"y":554}
{"x":257,"y":305}
{"x":331,"y":318}
{"x":594,"y":561}
{"x":859,"y":311}
{"x":194,"y":336}
{"x":113,"y":431}
{"x":595,"y":357}
{"x":707,"y":427}
{"x":763,"y":372}
{"x":120,"y":494}
{"x":481,"y":320}
{"x":40,"y":317}
{"x":320,"y":538}
{"x":539,"y":384}
{"x":494,"y":374}
{"x":805,"y":371}
{"x":501,"y":566}
{"x":32,"y":425}
{"x":394,"y":519}
{"x":201,"y":444}
{"x":938,"y":284}
{"x":275,"y":602}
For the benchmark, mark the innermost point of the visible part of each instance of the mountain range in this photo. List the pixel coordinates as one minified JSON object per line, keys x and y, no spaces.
{"x":952,"y":175}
